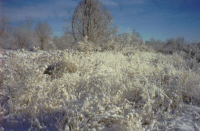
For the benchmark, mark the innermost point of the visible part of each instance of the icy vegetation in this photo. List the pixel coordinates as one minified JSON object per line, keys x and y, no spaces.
{"x":131,"y":89}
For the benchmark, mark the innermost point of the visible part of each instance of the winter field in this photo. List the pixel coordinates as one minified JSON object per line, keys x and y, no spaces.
{"x":134,"y":89}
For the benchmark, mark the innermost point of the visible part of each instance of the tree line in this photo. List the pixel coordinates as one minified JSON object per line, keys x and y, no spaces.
{"x":90,"y":19}
{"x":23,"y":35}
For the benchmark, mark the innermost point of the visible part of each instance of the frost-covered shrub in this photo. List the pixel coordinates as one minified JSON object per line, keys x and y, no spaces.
{"x":21,"y":76}
{"x":124,"y":40}
{"x":56,"y":70}
{"x":85,"y":45}
{"x":95,"y":90}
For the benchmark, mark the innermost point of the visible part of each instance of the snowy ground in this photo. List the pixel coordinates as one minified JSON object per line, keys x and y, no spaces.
{"x":66,"y":103}
{"x":188,"y":119}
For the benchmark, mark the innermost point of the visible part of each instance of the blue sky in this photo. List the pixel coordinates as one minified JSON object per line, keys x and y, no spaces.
{"x":160,"y":19}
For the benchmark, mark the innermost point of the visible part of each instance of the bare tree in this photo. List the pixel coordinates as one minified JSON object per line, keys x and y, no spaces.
{"x":24,"y":34}
{"x":6,"y":32}
{"x":29,"y":23}
{"x":44,"y":32}
{"x":4,"y":24}
{"x":180,"y":40}
{"x":21,"y":36}
{"x":92,"y":19}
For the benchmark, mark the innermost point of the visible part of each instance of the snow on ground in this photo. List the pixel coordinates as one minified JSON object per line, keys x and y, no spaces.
{"x":100,"y":91}
{"x":188,"y":119}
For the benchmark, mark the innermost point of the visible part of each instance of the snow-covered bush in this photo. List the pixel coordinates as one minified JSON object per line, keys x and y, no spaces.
{"x":110,"y":90}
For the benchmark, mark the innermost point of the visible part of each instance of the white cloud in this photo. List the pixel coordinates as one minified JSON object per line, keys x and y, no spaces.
{"x":130,"y":2}
{"x":40,"y":11}
{"x":123,"y":2}
{"x":110,"y":3}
